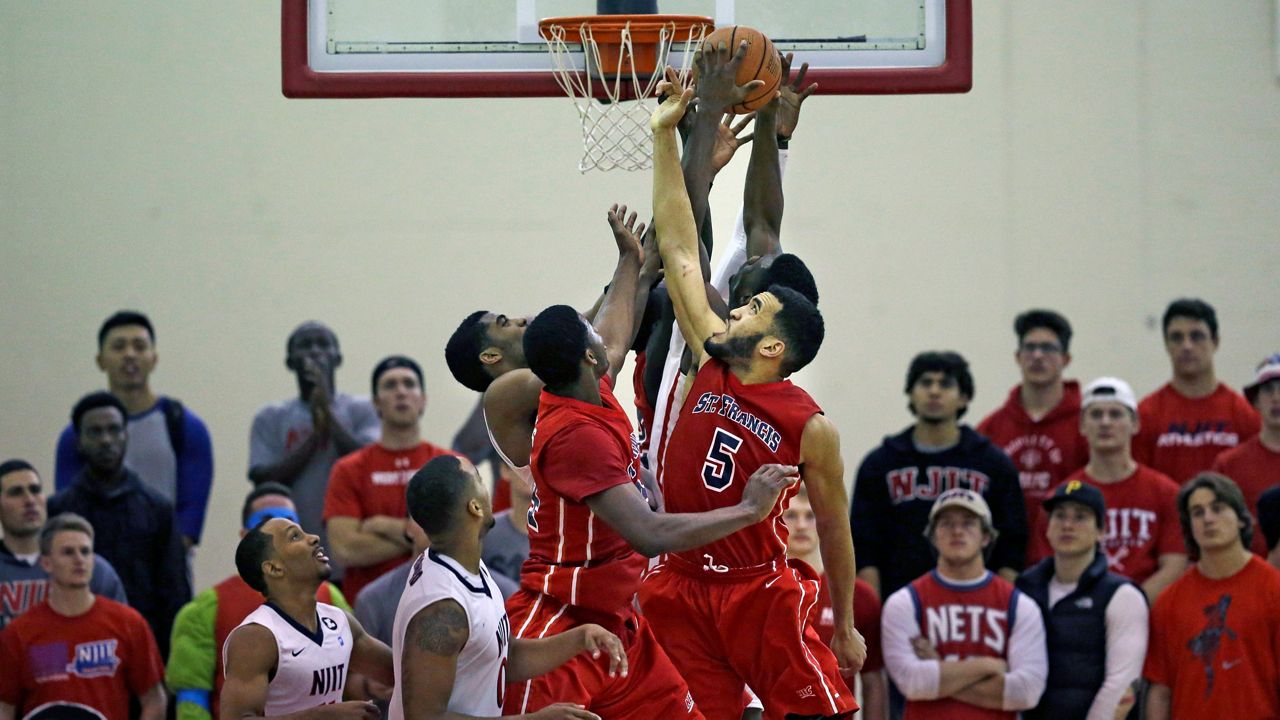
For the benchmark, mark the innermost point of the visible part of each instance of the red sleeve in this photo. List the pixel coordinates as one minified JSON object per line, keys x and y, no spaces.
{"x":145,"y":668}
{"x":1148,"y":431}
{"x":1154,"y":668}
{"x":12,"y":661}
{"x":1170,"y":525}
{"x":583,"y":460}
{"x":342,"y":498}
{"x":866,"y":618}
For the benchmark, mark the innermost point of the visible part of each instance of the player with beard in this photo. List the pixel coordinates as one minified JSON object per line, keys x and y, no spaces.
{"x":292,"y":655}
{"x":732,"y":612}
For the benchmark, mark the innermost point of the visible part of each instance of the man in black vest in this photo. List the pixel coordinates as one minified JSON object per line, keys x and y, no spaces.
{"x":1095,"y":620}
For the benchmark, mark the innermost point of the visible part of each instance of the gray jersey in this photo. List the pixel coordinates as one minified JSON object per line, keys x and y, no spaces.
{"x":281,"y":427}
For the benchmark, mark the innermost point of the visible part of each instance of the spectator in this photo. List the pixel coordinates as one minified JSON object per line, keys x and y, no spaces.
{"x":169,"y":446}
{"x":960,"y":638}
{"x":1254,"y":465}
{"x":1215,"y":633}
{"x":1142,"y":540}
{"x":803,"y":555}
{"x":506,"y":546}
{"x":1095,"y":620}
{"x":1269,"y":523}
{"x":23,"y":511}
{"x":376,"y":605}
{"x":76,"y":654}
{"x":194,"y":671}
{"x":136,"y":528}
{"x":295,"y":442}
{"x":1039,"y":424}
{"x":898,"y":482}
{"x":364,"y":507}
{"x":1193,"y":417}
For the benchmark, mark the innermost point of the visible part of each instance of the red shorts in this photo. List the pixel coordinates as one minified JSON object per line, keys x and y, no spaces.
{"x":651,"y":689}
{"x":723,"y":632}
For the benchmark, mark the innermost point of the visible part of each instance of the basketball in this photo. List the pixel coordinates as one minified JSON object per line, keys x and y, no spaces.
{"x":760,"y":63}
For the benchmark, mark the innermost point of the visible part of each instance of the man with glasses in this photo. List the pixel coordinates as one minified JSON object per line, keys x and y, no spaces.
{"x":1193,"y":417}
{"x":1039,"y":424}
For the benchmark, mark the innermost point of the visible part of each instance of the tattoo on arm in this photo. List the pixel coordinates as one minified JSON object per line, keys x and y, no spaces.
{"x":441,"y":628}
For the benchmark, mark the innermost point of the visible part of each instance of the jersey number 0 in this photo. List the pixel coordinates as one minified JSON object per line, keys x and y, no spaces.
{"x":717,"y":468}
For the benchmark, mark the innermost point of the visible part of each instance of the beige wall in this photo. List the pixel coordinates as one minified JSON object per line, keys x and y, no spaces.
{"x":1110,"y":157}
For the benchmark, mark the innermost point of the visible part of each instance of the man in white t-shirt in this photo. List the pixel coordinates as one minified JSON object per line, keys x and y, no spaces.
{"x":294,"y":653}
{"x":452,"y":640}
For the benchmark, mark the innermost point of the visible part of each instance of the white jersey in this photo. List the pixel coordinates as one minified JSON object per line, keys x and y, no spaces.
{"x":481,"y":678}
{"x":312,"y":668}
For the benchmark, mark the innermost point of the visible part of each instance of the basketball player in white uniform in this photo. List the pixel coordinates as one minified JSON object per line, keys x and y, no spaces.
{"x":293,"y":654}
{"x":452,"y":644}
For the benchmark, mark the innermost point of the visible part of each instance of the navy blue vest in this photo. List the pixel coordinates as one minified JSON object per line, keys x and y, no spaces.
{"x":1076,"y":631}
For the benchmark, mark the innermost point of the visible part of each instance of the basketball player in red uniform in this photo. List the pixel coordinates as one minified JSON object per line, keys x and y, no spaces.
{"x":732,"y":611}
{"x":587,"y":520}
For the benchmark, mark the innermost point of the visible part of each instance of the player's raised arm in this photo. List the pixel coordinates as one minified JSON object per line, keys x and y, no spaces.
{"x":615,"y":320}
{"x":762,"y":198}
{"x":823,"y":473}
{"x":251,"y":659}
{"x":510,"y":406}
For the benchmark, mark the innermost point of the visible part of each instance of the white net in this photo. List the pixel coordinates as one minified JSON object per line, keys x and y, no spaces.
{"x":615,"y":132}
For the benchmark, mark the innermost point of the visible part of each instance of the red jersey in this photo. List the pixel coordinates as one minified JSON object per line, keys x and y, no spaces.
{"x":1045,"y":451}
{"x":866,"y":618}
{"x":1141,"y":524}
{"x":1256,"y":469}
{"x":1216,"y":644}
{"x":1180,"y":436}
{"x":98,"y":659}
{"x":580,"y":450}
{"x":962,"y":622}
{"x":371,"y":481}
{"x":725,"y":431}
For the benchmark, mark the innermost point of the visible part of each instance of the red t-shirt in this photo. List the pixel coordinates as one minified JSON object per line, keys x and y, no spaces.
{"x":1180,"y":437}
{"x":1256,"y":469}
{"x":1141,"y":524}
{"x":580,"y":450}
{"x":1045,"y":451}
{"x":1216,"y":644}
{"x":725,"y":431}
{"x":866,"y":618}
{"x":371,"y":481}
{"x":98,"y":659}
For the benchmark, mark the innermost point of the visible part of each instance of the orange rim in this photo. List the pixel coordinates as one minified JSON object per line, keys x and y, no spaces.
{"x":608,"y":28}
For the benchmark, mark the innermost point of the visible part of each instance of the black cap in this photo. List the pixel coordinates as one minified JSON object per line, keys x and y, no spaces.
{"x":1081,"y":492}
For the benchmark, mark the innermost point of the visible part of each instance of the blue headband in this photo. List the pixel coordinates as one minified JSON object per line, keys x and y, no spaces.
{"x":266,"y":514}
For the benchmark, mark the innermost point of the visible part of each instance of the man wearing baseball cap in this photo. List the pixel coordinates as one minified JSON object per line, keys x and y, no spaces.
{"x":960,"y":641}
{"x":1095,"y":620}
{"x":1141,"y":536}
{"x":1255,"y":463}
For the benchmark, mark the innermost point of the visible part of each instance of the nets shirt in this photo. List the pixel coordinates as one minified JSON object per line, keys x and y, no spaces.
{"x":580,"y":450}
{"x":98,"y":659}
{"x":725,"y":431}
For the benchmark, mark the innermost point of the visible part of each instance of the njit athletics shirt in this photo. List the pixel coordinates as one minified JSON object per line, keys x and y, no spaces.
{"x":371,"y":481}
{"x":1180,"y":436}
{"x":1256,"y":469}
{"x":1216,"y":644}
{"x":1044,"y":451}
{"x":1141,"y":524}
{"x":580,"y":450}
{"x":97,"y":660}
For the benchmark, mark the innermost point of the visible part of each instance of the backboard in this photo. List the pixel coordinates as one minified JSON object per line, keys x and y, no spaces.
{"x":491,"y":48}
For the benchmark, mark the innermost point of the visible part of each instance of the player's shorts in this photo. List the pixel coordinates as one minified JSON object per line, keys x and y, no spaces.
{"x":722,"y":631}
{"x":652,"y":688}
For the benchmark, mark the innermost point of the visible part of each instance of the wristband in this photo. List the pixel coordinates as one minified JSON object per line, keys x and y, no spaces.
{"x":783,"y":142}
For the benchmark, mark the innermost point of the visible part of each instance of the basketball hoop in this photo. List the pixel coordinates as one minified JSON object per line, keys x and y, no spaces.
{"x":622,"y":56}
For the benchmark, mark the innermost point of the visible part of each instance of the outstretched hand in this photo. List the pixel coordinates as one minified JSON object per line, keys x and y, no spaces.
{"x":716,"y":79}
{"x":792,"y":94}
{"x":626,"y":233}
{"x":729,"y":138}
{"x":765,"y":485}
{"x":676,"y":100}
{"x":597,"y":640}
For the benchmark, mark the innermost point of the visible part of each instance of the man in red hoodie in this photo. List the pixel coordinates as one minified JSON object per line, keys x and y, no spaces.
{"x":1038,"y":426}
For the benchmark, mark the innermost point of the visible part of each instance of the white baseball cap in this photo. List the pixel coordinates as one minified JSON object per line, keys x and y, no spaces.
{"x":1109,"y":389}
{"x":962,"y":498}
{"x":1268,"y":370}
